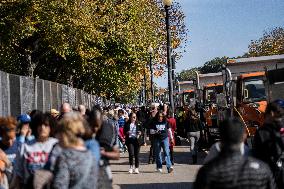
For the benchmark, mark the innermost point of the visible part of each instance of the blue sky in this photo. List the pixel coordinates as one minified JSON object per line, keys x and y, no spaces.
{"x":224,"y":28}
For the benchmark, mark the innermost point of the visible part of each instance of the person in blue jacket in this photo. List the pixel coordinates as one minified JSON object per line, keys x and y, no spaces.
{"x":24,"y":133}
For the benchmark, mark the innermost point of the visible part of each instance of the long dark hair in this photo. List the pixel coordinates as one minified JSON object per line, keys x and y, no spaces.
{"x":158,"y":116}
{"x":129,"y":121}
{"x":43,"y":118}
{"x":95,"y":113}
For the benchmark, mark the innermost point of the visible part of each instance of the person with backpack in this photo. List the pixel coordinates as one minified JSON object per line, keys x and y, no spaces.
{"x":105,"y":130}
{"x":269,"y":141}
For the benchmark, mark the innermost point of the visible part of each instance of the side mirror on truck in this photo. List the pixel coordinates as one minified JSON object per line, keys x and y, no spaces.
{"x":246,"y":93}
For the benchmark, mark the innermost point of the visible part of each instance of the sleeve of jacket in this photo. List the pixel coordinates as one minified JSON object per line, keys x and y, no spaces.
{"x":186,"y":124}
{"x":271,"y":184}
{"x":126,"y":129}
{"x":201,"y":181}
{"x":261,"y":144}
{"x":140,"y":128}
{"x":174,"y":125}
{"x":61,"y":174}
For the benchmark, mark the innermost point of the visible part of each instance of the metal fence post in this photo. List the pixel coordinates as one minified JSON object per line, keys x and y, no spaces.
{"x":1,"y":106}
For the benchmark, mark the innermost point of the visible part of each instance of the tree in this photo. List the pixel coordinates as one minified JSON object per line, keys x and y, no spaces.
{"x":214,"y":65}
{"x":271,"y":43}
{"x":187,"y":75}
{"x":98,"y":46}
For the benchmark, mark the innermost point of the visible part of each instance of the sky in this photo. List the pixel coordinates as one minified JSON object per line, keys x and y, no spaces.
{"x":224,"y":28}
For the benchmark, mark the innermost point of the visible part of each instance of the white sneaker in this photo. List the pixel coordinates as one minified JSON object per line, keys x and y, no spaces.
{"x":136,"y":171}
{"x":160,"y":170}
{"x":130,"y":171}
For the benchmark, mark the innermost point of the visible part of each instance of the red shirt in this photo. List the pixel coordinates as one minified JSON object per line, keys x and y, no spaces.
{"x":173,"y":125}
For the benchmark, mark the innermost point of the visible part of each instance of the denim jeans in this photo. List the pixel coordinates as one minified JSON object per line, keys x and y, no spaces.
{"x":158,"y":144}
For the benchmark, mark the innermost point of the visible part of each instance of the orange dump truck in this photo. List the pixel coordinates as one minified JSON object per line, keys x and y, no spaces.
{"x":210,"y":93}
{"x":251,"y":99}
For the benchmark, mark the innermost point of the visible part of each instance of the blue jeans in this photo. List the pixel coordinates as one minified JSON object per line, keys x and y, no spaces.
{"x":158,"y":144}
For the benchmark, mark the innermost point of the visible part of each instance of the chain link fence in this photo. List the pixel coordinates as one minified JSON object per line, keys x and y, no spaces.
{"x":20,"y":94}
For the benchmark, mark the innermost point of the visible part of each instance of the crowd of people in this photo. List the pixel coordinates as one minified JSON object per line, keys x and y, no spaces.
{"x":72,"y":148}
{"x":66,"y":149}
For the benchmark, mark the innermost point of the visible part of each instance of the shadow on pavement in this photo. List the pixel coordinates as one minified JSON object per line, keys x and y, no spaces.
{"x":179,"y":158}
{"x":127,"y":173}
{"x":179,"y":185}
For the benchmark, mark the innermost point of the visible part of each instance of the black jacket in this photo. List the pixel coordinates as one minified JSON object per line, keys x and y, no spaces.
{"x":268,"y":144}
{"x":192,"y":125}
{"x":234,"y":171}
{"x":126,"y":128}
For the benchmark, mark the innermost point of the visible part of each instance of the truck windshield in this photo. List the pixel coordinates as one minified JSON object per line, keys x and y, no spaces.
{"x":255,"y":90}
{"x":187,"y":97}
{"x":212,"y":92}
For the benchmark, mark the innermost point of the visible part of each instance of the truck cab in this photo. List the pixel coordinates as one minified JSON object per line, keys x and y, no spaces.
{"x":188,"y":97}
{"x":210,"y":92}
{"x":251,"y":99}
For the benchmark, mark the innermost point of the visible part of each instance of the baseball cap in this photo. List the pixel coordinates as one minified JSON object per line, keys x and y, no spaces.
{"x":280,"y":102}
{"x":54,"y":111}
{"x":24,"y":118}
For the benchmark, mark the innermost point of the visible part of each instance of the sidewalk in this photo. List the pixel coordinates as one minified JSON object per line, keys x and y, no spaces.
{"x":182,"y":177}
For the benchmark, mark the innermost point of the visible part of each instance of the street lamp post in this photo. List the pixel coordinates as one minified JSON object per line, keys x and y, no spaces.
{"x":168,"y":4}
{"x":151,"y":50}
{"x":145,"y":89}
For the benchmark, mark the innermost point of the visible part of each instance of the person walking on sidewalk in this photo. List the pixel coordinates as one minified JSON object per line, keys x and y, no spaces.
{"x":192,"y":128}
{"x":173,"y":126}
{"x":149,"y":123}
{"x":133,"y":139}
{"x":269,"y":141}
{"x":160,"y":129}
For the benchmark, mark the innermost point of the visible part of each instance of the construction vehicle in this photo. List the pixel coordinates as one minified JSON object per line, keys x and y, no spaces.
{"x":248,"y":93}
{"x":207,"y":96}
{"x":250,"y":99}
{"x":275,"y":84}
{"x":186,"y":94}
{"x":188,"y":97}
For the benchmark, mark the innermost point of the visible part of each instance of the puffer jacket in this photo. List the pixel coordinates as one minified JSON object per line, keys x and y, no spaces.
{"x":232,"y":170}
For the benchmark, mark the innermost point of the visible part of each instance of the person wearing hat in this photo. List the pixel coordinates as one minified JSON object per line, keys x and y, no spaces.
{"x":24,"y":132}
{"x":54,"y":113}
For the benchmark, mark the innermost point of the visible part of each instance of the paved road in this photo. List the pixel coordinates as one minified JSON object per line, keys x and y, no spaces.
{"x":182,"y":177}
